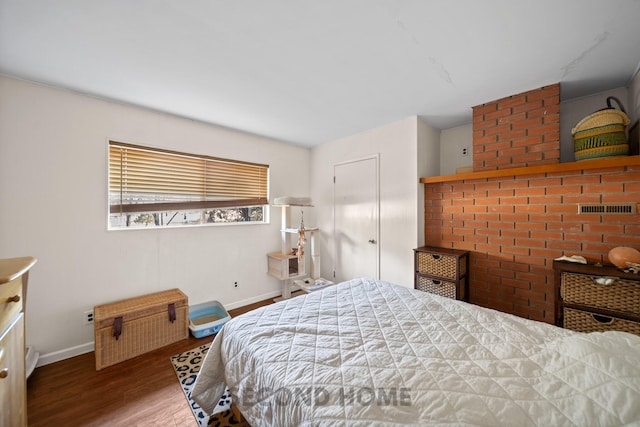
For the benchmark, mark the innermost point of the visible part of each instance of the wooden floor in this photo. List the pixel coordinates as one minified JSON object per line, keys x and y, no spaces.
{"x":139,"y":392}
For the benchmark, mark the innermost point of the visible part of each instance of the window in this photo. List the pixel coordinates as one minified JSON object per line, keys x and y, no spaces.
{"x":150,"y":187}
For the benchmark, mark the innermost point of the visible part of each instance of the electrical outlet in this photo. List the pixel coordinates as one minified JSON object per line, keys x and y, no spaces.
{"x":465,"y":151}
{"x":235,"y":284}
{"x":88,"y":317}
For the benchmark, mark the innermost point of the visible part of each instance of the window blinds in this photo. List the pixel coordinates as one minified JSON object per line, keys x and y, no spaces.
{"x":143,"y":179}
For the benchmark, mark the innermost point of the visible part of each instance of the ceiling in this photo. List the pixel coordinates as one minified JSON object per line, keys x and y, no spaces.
{"x":307,"y":72}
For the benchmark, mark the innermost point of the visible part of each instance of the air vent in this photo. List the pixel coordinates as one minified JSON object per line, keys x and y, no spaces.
{"x":608,"y":208}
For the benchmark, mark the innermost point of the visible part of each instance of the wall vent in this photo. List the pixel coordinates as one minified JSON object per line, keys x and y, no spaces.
{"x":608,"y":208}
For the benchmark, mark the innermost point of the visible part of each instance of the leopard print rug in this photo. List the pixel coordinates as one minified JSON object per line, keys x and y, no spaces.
{"x":187,"y":366}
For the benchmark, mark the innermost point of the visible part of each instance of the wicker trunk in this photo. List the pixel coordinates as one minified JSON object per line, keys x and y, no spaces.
{"x":131,"y":327}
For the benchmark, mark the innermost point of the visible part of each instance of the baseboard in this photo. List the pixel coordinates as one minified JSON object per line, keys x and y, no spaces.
{"x":251,"y":300}
{"x":66,"y":353}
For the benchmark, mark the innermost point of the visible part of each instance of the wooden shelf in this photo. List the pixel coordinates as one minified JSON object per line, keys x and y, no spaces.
{"x":285,"y":266}
{"x":610,"y":162}
{"x":281,"y":256}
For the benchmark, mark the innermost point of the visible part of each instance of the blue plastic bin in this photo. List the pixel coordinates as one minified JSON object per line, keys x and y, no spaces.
{"x":207,"y":318}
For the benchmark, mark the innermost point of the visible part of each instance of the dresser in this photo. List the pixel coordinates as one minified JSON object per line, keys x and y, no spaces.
{"x":592,"y":298}
{"x":14,"y":275}
{"x":442,"y":271}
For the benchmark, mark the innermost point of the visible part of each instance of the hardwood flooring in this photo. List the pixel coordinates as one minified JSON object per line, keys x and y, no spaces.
{"x":143,"y":391}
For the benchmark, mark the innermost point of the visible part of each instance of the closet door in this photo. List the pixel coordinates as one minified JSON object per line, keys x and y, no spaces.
{"x":356,"y":216}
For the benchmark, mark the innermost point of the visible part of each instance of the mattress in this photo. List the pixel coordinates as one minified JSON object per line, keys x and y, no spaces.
{"x":367,"y":352}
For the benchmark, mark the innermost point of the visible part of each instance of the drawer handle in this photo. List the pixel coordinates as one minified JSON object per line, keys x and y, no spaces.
{"x":435,"y":256}
{"x":436,"y":282}
{"x":605,"y":280}
{"x":15,"y":298}
{"x":4,"y":373}
{"x":605,"y":320}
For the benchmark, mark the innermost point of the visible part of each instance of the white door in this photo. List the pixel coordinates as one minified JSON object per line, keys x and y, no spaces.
{"x":356,"y":219}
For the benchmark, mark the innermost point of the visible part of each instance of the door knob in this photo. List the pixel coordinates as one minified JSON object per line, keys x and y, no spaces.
{"x":372,"y":241}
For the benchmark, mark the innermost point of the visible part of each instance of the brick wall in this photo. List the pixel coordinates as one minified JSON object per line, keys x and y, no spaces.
{"x":518,"y":130}
{"x":515,"y":227}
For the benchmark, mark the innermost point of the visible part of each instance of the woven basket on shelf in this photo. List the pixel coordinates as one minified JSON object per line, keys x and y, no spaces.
{"x":604,"y":151}
{"x":602,"y":133}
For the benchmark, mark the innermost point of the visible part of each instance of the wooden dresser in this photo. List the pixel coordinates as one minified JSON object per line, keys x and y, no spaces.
{"x":592,"y":298}
{"x":14,"y":275}
{"x":442,"y":271}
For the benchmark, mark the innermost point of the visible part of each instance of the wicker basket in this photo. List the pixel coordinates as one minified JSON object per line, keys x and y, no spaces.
{"x":131,"y":327}
{"x":612,"y":134}
{"x":602,"y":118}
{"x":439,"y":265}
{"x":604,"y":151}
{"x":438,"y":287}
{"x":582,"y":321}
{"x":602,"y":134}
{"x":622,"y":295}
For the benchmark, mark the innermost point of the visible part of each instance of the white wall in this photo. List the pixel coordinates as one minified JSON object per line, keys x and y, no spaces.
{"x":397,"y":147}
{"x":634,"y":98}
{"x":53,"y":199}
{"x":429,"y":149}
{"x":452,"y":141}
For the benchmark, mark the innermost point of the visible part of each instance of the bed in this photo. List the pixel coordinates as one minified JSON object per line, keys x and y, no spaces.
{"x":366,"y":352}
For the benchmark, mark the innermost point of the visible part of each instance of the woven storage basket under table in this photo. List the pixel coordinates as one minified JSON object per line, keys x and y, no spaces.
{"x":438,"y":287}
{"x":131,"y":327}
{"x":621,"y":295}
{"x":439,"y":265}
{"x":582,"y":321}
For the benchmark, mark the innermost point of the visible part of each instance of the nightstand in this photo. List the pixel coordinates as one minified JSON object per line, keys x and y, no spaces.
{"x":594,"y":298}
{"x":442,"y":271}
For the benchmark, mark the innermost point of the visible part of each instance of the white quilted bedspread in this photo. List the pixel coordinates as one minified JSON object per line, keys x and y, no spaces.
{"x":366,"y":352}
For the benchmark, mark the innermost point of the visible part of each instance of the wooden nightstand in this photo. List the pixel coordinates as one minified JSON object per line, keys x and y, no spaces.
{"x":596,"y":299}
{"x":442,"y":271}
{"x":14,"y":277}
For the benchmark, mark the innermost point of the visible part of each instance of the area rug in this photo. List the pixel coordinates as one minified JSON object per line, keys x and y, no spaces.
{"x":187,"y":365}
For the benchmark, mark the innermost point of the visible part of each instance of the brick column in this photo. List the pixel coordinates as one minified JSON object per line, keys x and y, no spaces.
{"x":519,"y":130}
